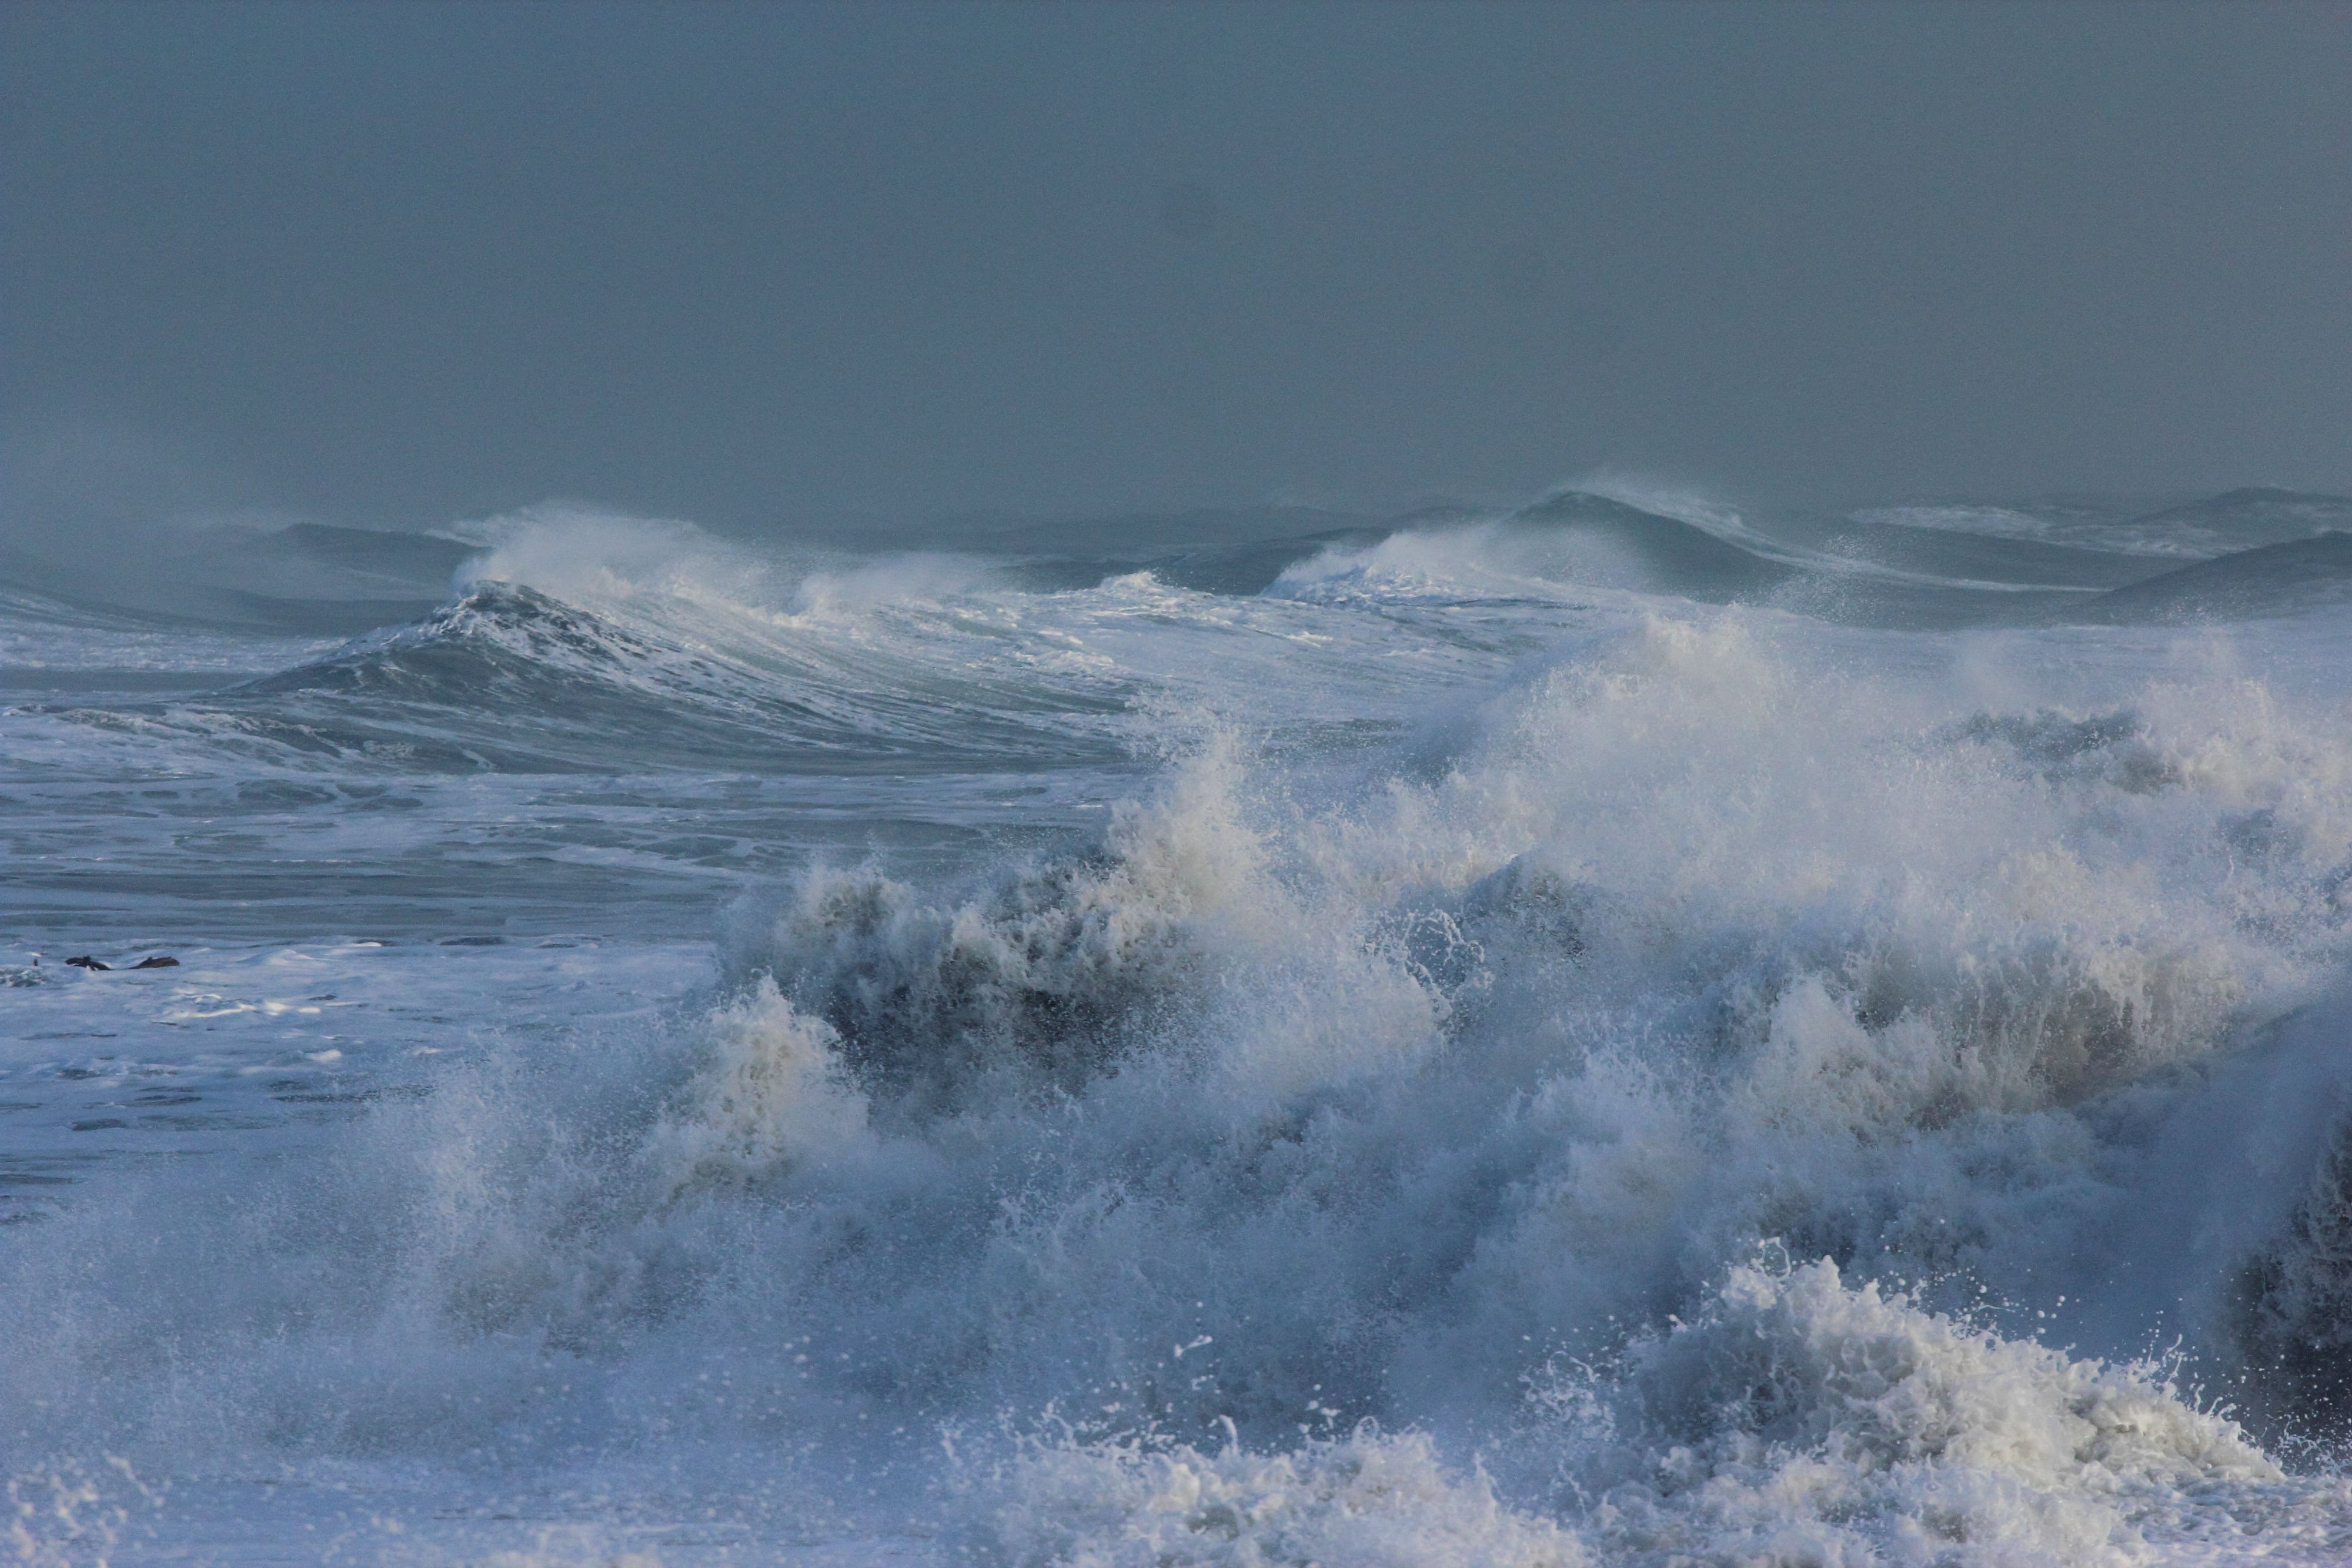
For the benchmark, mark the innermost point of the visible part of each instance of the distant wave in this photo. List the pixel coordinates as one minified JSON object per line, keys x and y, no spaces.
{"x":499,"y":639}
{"x":1664,"y":554}
{"x":511,"y":679}
{"x":2256,"y":514}
{"x":2269,"y":580}
{"x":1577,"y":546}
{"x":2194,"y":531}
{"x":1571,"y":540}
{"x":301,"y":578}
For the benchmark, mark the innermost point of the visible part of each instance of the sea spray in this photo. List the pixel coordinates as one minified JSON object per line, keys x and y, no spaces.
{"x":1343,"y":1132}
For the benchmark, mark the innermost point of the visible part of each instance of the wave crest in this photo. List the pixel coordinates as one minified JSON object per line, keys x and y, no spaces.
{"x":1799,"y":1418}
{"x":1048,"y":976}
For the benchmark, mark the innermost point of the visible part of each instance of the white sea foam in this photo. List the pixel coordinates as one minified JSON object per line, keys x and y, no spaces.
{"x":1370,"y":1499}
{"x":576,"y":553}
{"x":1798,"y":1418}
{"x":1353,"y":1148}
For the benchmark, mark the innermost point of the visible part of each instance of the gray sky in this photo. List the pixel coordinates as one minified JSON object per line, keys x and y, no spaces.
{"x":753,"y":264}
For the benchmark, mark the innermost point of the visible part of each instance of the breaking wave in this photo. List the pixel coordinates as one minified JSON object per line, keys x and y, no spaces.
{"x":1571,"y":539}
{"x":1694,"y":1086}
{"x":667,"y":672}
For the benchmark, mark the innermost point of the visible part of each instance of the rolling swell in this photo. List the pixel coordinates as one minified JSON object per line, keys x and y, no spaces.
{"x":1659,"y":554}
{"x":1569,"y":542}
{"x":500,"y":641}
{"x":2244,"y":519}
{"x":2288,"y":578}
{"x":510,"y":679}
{"x":1577,"y":545}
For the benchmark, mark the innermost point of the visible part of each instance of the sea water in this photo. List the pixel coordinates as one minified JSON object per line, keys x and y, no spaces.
{"x":1615,"y":1031}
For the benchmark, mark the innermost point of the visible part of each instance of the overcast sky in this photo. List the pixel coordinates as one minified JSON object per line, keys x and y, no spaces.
{"x":749,"y":264}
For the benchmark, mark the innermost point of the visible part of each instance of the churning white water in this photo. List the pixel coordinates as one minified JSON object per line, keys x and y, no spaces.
{"x":1614,"y":1033}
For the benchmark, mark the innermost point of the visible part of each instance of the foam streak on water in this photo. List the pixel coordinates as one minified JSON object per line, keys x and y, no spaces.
{"x":1606,"y":1032}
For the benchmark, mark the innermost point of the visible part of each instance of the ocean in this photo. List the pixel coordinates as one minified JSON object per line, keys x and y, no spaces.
{"x":1622,"y":1029}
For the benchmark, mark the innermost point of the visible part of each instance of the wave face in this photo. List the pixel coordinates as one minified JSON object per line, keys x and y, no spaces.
{"x":2198,"y":529}
{"x":2301,"y":576}
{"x":507,"y":664}
{"x":1611,"y":1031}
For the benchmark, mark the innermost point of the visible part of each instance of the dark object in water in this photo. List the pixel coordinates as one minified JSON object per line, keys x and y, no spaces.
{"x":86,"y":962}
{"x":158,"y":963}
